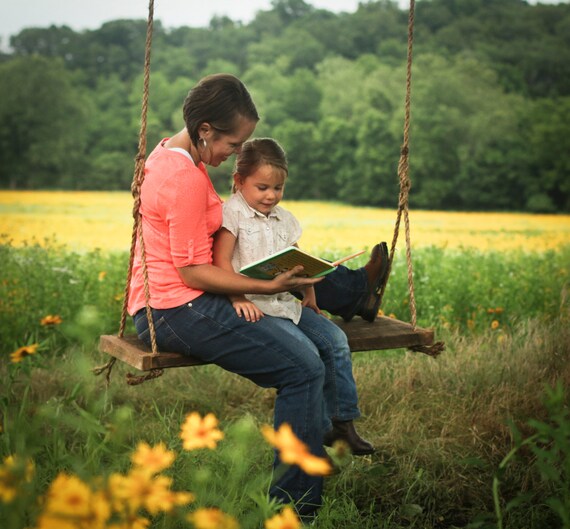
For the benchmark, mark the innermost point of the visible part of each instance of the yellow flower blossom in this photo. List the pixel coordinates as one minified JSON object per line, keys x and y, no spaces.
{"x":69,"y":496}
{"x":48,"y":521}
{"x":286,"y":519}
{"x":198,"y":432}
{"x":19,"y":354}
{"x":392,"y":315}
{"x":51,"y":319}
{"x":212,"y":518}
{"x":495,"y":324}
{"x":380,"y":312}
{"x":102,"y":275}
{"x":293,"y":451}
{"x":137,"y":522}
{"x":13,"y":473}
{"x":154,"y":459}
{"x":140,"y":489}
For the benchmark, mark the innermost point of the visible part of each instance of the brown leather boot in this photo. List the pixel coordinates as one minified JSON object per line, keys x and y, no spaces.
{"x":345,"y":431}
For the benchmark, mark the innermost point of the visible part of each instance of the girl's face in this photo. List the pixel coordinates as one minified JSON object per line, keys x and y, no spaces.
{"x":263,"y":189}
{"x":221,"y":146}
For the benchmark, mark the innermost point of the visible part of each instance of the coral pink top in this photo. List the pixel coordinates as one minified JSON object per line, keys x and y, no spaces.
{"x":181,"y":211}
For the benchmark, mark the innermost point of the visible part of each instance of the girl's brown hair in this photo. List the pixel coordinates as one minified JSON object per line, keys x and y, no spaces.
{"x":218,"y":99}
{"x":257,"y":152}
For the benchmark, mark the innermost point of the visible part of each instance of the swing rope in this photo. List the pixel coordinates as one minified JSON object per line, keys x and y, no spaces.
{"x":403,"y":199}
{"x":138,"y":178}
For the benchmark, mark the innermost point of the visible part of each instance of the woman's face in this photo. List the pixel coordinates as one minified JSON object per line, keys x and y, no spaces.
{"x":221,"y":146}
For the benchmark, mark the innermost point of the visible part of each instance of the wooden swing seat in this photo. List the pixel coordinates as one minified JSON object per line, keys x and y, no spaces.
{"x":384,"y":333}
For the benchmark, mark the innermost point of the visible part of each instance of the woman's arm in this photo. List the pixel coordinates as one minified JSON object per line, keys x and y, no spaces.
{"x":221,"y":279}
{"x":214,"y":279}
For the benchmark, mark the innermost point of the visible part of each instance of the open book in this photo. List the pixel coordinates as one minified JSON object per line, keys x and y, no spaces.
{"x":287,"y":259}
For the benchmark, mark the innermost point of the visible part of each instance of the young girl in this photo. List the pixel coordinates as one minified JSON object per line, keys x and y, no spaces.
{"x":253,"y":227}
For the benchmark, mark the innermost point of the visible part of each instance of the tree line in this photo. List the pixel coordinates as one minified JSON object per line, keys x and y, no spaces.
{"x":490,"y":100}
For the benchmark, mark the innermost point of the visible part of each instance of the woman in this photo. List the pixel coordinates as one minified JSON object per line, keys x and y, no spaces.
{"x":181,"y":211}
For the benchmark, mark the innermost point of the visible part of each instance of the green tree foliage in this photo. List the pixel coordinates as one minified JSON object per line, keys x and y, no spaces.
{"x":490,"y":100}
{"x":42,"y":139}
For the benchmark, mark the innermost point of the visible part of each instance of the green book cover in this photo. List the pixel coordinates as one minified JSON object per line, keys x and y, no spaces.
{"x":285,"y":260}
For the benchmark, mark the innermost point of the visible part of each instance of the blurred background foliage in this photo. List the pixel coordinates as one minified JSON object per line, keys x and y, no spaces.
{"x":490,"y":100}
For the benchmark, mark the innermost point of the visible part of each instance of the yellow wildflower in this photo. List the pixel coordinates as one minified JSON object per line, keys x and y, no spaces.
{"x":154,"y":459}
{"x":212,"y":518}
{"x":140,"y":489}
{"x":495,"y":324}
{"x":200,"y":433}
{"x":392,"y":315}
{"x":69,"y":496}
{"x":380,"y":312}
{"x":118,"y":297}
{"x":102,"y":275}
{"x":133,"y":523}
{"x":19,"y":354}
{"x":13,"y":473}
{"x":286,"y":519}
{"x":50,"y":319}
{"x":293,"y":451}
{"x":48,"y":521}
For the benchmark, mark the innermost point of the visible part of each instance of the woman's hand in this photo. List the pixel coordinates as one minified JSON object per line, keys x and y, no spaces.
{"x":247,"y":309}
{"x":290,"y":281}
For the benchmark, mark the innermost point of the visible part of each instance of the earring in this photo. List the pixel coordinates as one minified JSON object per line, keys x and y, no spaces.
{"x":203,"y":142}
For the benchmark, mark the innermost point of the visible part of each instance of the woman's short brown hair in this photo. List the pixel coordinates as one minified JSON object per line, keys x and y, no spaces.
{"x":218,"y":99}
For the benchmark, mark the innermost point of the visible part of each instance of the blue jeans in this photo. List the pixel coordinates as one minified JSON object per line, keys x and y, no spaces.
{"x":329,"y":342}
{"x":343,"y":291}
{"x":271,"y":356}
{"x":209,"y":328}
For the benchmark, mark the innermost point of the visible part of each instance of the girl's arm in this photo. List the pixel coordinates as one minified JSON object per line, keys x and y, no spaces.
{"x":224,"y":246}
{"x":310,"y":299}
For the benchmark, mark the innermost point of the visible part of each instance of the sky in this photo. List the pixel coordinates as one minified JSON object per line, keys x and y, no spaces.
{"x":91,"y":14}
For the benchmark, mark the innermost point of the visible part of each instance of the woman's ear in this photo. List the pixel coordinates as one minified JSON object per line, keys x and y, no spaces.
{"x":204,"y":129}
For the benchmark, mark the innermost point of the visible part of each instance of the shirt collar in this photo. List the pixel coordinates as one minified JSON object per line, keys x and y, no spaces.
{"x":252,"y":212}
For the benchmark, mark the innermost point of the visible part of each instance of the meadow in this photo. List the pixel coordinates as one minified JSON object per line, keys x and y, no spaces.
{"x":477,"y":438}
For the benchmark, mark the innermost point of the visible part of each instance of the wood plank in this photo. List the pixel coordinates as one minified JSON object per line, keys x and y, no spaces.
{"x":384,"y":333}
{"x":132,"y":351}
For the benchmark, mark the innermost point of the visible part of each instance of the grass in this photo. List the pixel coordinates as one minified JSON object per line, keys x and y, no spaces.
{"x":477,"y":438}
{"x":442,"y":428}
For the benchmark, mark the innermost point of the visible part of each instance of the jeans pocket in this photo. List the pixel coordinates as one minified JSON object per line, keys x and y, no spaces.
{"x":166,"y":338}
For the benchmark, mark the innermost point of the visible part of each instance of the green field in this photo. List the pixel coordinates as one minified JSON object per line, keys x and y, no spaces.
{"x":474,"y":438}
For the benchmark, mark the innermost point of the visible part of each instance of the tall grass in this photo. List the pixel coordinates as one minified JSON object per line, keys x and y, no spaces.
{"x":446,"y":429}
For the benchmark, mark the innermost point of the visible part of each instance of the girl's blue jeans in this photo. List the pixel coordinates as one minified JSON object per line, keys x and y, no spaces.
{"x":271,"y":355}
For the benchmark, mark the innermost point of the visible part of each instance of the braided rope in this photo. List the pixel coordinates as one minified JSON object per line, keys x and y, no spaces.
{"x":405,"y":183}
{"x":137,"y":235}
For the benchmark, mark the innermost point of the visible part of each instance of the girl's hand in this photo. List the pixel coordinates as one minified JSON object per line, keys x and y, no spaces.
{"x":310,"y":300}
{"x":247,"y":309}
{"x":290,"y":281}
